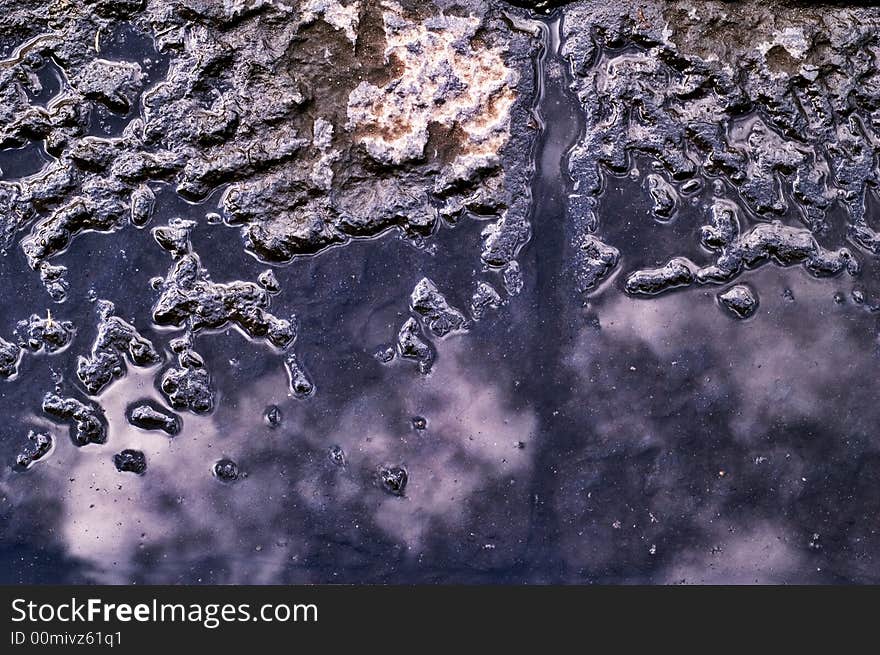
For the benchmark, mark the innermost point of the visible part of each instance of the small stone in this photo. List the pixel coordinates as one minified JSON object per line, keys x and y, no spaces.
{"x":273,"y":416}
{"x":664,"y":197}
{"x":226,"y":470}
{"x":437,"y":314}
{"x":678,"y":272}
{"x":175,"y":237}
{"x":594,"y":262}
{"x":393,"y":479}
{"x":740,"y":300}
{"x":130,"y":461}
{"x":385,"y":354}
{"x":412,"y":345}
{"x":10,"y":354}
{"x":419,"y":422}
{"x":337,"y":455}
{"x":268,"y":281}
{"x":512,"y":278}
{"x":691,"y":186}
{"x":300,"y":383}
{"x":143,"y":204}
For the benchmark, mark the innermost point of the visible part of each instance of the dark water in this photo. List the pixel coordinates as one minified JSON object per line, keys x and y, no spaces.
{"x":569,"y":438}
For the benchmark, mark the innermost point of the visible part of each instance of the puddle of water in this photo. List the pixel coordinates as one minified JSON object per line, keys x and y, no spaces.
{"x":51,"y":82}
{"x":16,"y":163}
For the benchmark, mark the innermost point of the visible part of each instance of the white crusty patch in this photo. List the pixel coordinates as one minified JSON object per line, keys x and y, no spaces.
{"x":791,"y":38}
{"x":322,"y":133}
{"x":344,"y":18}
{"x":446,"y":80}
{"x":322,"y":137}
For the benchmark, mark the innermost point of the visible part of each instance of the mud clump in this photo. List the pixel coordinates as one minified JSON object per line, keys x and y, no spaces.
{"x":438,"y":315}
{"x":300,"y":383}
{"x":188,"y":386}
{"x":40,"y":447}
{"x":393,"y":479}
{"x":10,"y":355}
{"x":174,"y":238}
{"x":189,"y":297}
{"x":384,"y":354}
{"x":412,"y":345}
{"x":143,"y":205}
{"x":268,"y":281}
{"x":784,"y":245}
{"x":115,"y":338}
{"x":44,"y":333}
{"x":54,"y":281}
{"x":594,"y":262}
{"x":273,"y":416}
{"x":664,"y":196}
{"x":739,"y":300}
{"x":226,"y":470}
{"x":678,"y":272}
{"x":483,"y":300}
{"x":512,"y":277}
{"x":147,"y":417}
{"x":87,"y":423}
{"x":776,"y":122}
{"x":130,"y":461}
